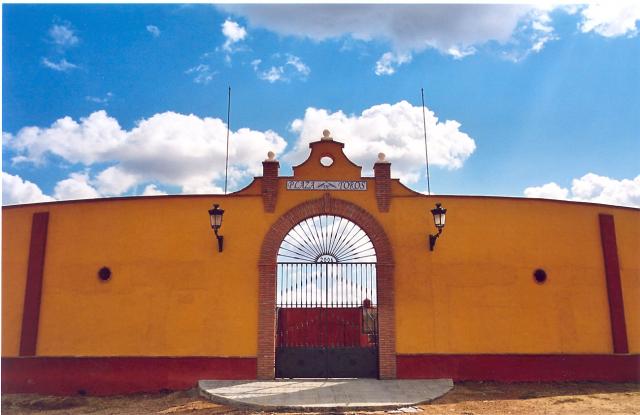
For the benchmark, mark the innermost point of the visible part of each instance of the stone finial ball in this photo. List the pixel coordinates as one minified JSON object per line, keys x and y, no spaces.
{"x":381,"y":157}
{"x":271,"y":155}
{"x":326,"y":133}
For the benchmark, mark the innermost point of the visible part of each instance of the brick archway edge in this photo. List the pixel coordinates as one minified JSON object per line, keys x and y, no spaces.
{"x":325,"y":205}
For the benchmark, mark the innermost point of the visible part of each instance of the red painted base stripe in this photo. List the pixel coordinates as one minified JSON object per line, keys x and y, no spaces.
{"x":521,"y":368}
{"x":117,"y":375}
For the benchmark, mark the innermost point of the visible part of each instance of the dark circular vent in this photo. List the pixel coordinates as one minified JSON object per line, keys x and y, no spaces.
{"x":540,"y":275}
{"x":104,"y":273}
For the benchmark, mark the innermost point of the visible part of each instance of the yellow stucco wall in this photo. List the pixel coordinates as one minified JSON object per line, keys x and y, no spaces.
{"x":476,"y":292}
{"x":173,"y":294}
{"x":170,"y":292}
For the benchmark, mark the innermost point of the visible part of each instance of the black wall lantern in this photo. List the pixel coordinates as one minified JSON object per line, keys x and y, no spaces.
{"x":215,"y":215}
{"x":438,"y":218}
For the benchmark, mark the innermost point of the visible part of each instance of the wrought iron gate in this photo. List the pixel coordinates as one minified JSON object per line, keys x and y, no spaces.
{"x":327,"y":321}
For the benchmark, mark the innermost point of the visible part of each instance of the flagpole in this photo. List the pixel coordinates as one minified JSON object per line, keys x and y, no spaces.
{"x":226,"y":166}
{"x":426,"y":148}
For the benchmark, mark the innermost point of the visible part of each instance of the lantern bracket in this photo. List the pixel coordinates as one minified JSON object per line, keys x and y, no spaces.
{"x":433,"y":239}
{"x":220,"y":240}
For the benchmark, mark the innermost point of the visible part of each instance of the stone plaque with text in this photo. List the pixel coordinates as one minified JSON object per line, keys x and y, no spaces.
{"x":358,"y":185}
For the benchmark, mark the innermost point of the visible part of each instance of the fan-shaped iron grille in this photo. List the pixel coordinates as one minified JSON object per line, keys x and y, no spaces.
{"x":326,"y":261}
{"x":326,"y":239}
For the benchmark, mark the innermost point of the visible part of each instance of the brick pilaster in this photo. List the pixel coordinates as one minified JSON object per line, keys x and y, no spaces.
{"x":270,"y":184}
{"x":386,"y":322}
{"x":266,"y":322}
{"x":382,"y":172}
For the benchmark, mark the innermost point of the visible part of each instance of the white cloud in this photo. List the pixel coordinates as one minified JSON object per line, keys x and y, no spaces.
{"x":77,"y":186}
{"x":450,"y":28}
{"x":611,"y":19}
{"x":15,"y":190}
{"x":548,"y":191}
{"x":272,"y":74}
{"x":89,"y":141}
{"x":394,"y":129}
{"x":62,"y":66}
{"x":531,"y":36}
{"x":233,"y":34}
{"x":458,"y":53}
{"x":63,"y":35}
{"x":100,"y":100}
{"x":202,"y":74}
{"x":571,"y":9}
{"x":201,"y":185}
{"x":185,"y":149}
{"x":459,"y":30}
{"x":389,"y":61}
{"x":601,"y":189}
{"x":154,"y":30}
{"x":110,"y":182}
{"x":593,"y":188}
{"x":167,"y":148}
{"x":292,"y":67}
{"x":114,"y":181}
{"x":541,"y":30}
{"x":152,"y":190}
{"x":298,"y":65}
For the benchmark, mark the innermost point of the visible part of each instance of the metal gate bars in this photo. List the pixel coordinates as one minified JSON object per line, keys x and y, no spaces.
{"x":327,"y":322}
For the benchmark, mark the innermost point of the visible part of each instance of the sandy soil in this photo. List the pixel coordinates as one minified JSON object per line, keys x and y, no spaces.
{"x":467,"y":398}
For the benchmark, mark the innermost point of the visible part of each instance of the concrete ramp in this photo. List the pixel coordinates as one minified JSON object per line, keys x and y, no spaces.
{"x":324,"y":394}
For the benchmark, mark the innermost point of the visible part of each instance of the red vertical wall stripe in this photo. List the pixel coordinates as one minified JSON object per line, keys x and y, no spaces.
{"x":614,"y":285}
{"x":33,"y":290}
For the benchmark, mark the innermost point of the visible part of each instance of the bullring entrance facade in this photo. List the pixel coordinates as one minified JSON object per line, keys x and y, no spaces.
{"x":322,"y":274}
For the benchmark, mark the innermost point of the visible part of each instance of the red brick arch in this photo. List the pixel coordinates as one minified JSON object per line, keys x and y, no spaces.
{"x":326,"y":205}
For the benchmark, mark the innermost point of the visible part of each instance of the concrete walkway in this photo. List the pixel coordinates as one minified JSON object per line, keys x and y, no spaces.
{"x":323,"y":394}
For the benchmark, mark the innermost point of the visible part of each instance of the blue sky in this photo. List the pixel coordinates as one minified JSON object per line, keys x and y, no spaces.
{"x":117,"y":100}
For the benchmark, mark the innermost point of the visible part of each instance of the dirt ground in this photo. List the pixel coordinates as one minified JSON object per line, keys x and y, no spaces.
{"x":467,"y":398}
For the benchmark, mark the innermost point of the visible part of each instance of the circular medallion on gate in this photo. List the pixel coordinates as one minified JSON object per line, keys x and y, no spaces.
{"x":326,"y":258}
